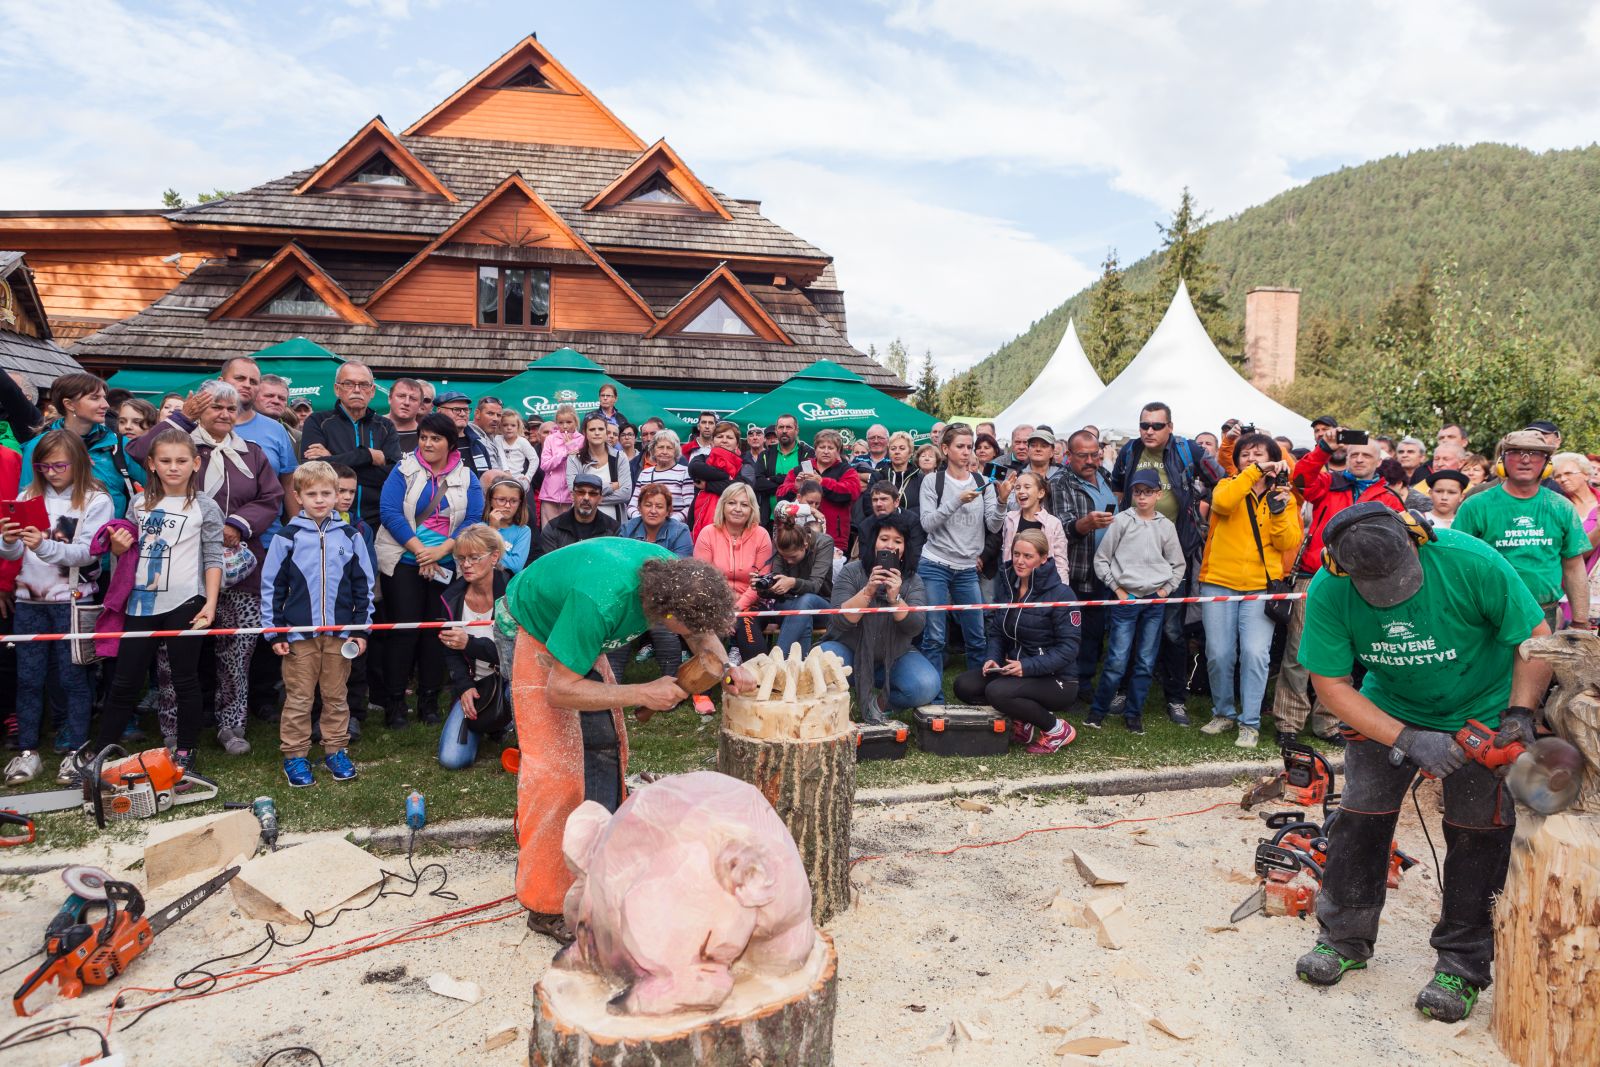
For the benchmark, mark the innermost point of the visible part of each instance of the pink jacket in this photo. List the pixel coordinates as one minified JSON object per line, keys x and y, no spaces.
{"x":1053,"y":532}
{"x":753,"y":552}
{"x":113,"y":618}
{"x":553,"y":461}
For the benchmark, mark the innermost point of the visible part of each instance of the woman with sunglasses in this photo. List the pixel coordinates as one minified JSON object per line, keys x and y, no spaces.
{"x":470,"y":654}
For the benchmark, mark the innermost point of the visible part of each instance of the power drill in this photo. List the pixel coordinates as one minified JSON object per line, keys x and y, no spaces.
{"x":266,"y":813}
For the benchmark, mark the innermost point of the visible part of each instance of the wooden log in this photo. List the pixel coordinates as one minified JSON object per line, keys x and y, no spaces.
{"x":1547,"y":944}
{"x":776,"y":1022}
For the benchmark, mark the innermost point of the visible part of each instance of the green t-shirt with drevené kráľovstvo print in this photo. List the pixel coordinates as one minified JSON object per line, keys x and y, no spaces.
{"x":1534,"y":535}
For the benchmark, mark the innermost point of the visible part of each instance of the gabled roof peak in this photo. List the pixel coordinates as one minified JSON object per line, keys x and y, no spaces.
{"x":291,"y":261}
{"x":722,"y":287}
{"x":375,"y":138}
{"x":659,"y":164}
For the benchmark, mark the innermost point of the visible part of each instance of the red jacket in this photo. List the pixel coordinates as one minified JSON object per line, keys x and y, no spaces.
{"x":10,"y":485}
{"x":1329,"y":493}
{"x":841,"y":485}
{"x":706,"y":472}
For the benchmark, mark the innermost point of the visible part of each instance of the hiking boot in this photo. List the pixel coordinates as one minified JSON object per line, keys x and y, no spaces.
{"x":339,"y":765}
{"x":1447,"y":998}
{"x":1219,"y":724}
{"x":551,"y":926}
{"x":1055,"y":740}
{"x":1119,"y":704}
{"x":298,"y":770}
{"x":1324,"y":966}
{"x":233,"y":742}
{"x":1178,"y":713}
{"x":1135,"y":724}
{"x":24,"y":767}
{"x":1247,"y":737}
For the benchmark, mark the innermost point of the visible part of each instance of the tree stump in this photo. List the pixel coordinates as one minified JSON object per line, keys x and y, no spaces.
{"x":794,"y":741}
{"x":774,"y":1022}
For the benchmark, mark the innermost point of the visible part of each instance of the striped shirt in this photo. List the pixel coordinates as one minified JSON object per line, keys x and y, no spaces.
{"x":676,"y":478}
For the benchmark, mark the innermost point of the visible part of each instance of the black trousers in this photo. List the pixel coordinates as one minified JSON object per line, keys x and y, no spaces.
{"x":1479,"y":819}
{"x":602,"y":756}
{"x":1037,"y":701}
{"x":747,"y":638}
{"x":412,"y":598}
{"x":133,"y":662}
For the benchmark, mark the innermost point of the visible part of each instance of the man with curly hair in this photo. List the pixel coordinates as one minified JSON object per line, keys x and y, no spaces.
{"x":567,"y":610}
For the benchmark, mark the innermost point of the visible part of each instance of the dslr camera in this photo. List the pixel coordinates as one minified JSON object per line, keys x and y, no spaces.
{"x":763,"y":583}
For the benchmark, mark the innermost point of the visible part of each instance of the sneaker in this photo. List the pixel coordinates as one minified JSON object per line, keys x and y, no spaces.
{"x":1094,"y":719}
{"x":1022,"y":733}
{"x":1119,"y":704}
{"x":1054,"y":741}
{"x":428,"y":709}
{"x":1333,"y":740}
{"x":1448,"y":998}
{"x":298,"y":770}
{"x":233,"y":742}
{"x":1135,"y":724}
{"x":642,"y":655}
{"x":133,"y":732}
{"x":1218,"y":724}
{"x":24,"y":767}
{"x":354,"y":730}
{"x":551,"y":926}
{"x":396,"y":718}
{"x":339,"y":765}
{"x":1178,"y":713}
{"x":1324,"y":966}
{"x":186,"y":760}
{"x":267,"y":712}
{"x":68,"y":773}
{"x":1247,"y":737}
{"x":703,"y":705}
{"x":873,"y":710}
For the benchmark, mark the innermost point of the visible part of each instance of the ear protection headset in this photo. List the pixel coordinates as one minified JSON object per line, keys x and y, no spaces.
{"x":1500,"y":468}
{"x":1417,"y":528}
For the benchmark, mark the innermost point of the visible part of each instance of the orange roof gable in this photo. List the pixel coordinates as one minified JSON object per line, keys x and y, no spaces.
{"x":660,"y":159}
{"x":291,"y":261}
{"x":372,"y":139}
{"x":721,"y":284}
{"x":513,"y":216}
{"x":557,"y":110}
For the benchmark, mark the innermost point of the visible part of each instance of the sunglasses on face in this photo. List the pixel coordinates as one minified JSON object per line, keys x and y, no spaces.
{"x":1152,"y":426}
{"x":1517,"y":453}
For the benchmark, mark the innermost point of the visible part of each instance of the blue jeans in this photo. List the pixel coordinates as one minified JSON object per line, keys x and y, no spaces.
{"x":49,"y":663}
{"x":1237,"y":634}
{"x":947,"y":585}
{"x":1092,"y":634}
{"x":1133,"y":634}
{"x":797,"y":628}
{"x":913,"y":681}
{"x":458,"y":746}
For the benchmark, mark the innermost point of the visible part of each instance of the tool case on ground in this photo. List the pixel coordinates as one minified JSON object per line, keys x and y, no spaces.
{"x":961,"y":730}
{"x":882,"y":740}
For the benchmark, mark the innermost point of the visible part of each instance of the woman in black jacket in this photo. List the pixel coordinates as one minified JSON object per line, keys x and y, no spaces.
{"x":1030,"y":675}
{"x":482,"y":704}
{"x":801,"y":578}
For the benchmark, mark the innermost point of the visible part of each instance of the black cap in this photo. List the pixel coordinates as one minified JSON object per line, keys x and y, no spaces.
{"x":1370,"y":544}
{"x":1544,"y":426}
{"x":1325,"y":420}
{"x":1449,"y":476}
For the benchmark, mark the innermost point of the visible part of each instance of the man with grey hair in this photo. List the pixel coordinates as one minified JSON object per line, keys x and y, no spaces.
{"x":1413,"y":456}
{"x":1018,"y":459}
{"x":1447,"y":457}
{"x":260,"y":425}
{"x":354,"y":435}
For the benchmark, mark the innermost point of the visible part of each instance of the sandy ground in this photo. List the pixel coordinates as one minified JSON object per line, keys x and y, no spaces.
{"x":932,"y":940}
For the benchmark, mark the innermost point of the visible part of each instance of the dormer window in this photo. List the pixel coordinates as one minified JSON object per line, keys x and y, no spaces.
{"x":718,"y":318}
{"x":380,"y":170}
{"x":528,"y":77}
{"x":297,"y":300}
{"x":656,"y":191}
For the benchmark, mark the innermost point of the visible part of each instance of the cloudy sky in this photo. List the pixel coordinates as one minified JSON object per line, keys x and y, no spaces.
{"x":968,"y":164}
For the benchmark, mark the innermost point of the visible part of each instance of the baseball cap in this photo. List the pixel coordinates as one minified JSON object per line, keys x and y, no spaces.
{"x":1449,"y":476}
{"x":1145,"y":477}
{"x":1531,"y":440}
{"x":1325,"y":420}
{"x":299,"y":402}
{"x":1544,"y":426}
{"x":1370,"y":544}
{"x":1042,"y":433}
{"x":588,"y":481}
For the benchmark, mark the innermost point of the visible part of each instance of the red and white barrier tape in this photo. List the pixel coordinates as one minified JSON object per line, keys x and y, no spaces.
{"x":240,"y":631}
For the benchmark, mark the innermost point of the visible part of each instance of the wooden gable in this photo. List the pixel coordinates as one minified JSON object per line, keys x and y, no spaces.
{"x":722,"y":287}
{"x":527,"y":96}
{"x":657,"y":166}
{"x":374,"y":139}
{"x":512,"y":226}
{"x":291,"y":263}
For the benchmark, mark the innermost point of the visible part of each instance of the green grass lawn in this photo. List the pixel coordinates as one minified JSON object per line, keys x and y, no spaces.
{"x":392,"y":763}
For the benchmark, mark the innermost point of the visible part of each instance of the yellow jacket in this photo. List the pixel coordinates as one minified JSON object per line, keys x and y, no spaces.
{"x":1231,"y":559}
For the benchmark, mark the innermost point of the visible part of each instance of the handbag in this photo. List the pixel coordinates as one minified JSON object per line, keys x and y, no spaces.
{"x":82,"y":619}
{"x":1278,"y":611}
{"x":493,"y":714}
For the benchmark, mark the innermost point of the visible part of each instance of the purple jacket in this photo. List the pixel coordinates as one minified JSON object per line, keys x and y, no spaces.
{"x":112,"y":617}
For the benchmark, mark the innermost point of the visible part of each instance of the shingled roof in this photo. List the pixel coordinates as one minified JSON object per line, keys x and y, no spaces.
{"x":39,"y":359}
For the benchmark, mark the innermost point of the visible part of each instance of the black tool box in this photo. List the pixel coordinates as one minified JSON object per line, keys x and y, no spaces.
{"x":883,"y":740}
{"x":961,"y":730}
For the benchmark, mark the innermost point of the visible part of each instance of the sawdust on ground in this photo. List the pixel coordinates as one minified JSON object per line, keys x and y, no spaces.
{"x":943,"y":959}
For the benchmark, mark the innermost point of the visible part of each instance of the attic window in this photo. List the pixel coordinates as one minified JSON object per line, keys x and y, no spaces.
{"x":380,"y":170}
{"x":527,"y":78}
{"x":656,"y":191}
{"x":719,"y":318}
{"x":297,"y":300}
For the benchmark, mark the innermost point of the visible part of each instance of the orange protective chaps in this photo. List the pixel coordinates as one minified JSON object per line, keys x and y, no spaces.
{"x":549,"y":776}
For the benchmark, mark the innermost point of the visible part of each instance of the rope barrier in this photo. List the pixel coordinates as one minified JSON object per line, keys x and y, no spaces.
{"x":381,"y":627}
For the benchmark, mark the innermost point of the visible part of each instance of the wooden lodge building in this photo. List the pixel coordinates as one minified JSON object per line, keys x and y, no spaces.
{"x":517,"y":217}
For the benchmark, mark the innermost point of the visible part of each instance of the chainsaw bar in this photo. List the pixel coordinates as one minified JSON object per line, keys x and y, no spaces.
{"x":1253,"y":903}
{"x":189,"y":901}
{"x":47,"y":800}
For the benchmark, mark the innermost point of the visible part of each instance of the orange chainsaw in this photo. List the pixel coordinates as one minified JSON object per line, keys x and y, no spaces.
{"x":1291,"y":862}
{"x":119,"y":786}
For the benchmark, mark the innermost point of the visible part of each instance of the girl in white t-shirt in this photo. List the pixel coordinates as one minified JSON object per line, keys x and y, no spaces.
{"x":177,"y":576}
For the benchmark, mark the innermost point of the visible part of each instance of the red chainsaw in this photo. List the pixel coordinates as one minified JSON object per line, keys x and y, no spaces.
{"x":115,"y":786}
{"x":1290,"y":864}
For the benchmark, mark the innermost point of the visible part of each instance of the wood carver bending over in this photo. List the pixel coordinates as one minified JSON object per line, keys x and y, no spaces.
{"x":571,"y":607}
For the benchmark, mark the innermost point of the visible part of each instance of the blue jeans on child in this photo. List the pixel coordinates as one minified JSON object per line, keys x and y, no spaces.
{"x":913,"y":681}
{"x":948,"y":585}
{"x":1239,"y":634}
{"x":797,"y":628}
{"x":458,"y":746}
{"x":49,"y":663}
{"x":1133,"y":636}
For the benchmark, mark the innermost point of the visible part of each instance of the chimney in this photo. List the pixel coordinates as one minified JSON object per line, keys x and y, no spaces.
{"x":1271,"y":324}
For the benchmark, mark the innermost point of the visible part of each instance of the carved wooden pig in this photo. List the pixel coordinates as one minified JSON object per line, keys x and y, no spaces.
{"x":692,"y":874}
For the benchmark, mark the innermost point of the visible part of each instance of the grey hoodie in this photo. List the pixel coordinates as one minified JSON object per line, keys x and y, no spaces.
{"x":1143,"y":558}
{"x":956,"y":530}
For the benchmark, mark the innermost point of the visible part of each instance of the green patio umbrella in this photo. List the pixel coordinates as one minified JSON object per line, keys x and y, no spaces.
{"x":567,"y":377}
{"x":825,"y":396}
{"x":687,"y":404}
{"x":307,"y":367}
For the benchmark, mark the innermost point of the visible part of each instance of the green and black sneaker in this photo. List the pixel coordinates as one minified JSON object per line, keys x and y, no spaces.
{"x":1324,"y":966}
{"x":1448,"y":998}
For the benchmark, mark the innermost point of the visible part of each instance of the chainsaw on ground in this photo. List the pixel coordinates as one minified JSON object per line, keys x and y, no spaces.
{"x":118,"y":786}
{"x":1307,"y":779}
{"x":80,"y":951}
{"x":1290,"y":864}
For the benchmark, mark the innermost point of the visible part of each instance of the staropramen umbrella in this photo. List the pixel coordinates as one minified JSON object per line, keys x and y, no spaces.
{"x":568,"y":377}
{"x":307,"y":367}
{"x":825,"y":396}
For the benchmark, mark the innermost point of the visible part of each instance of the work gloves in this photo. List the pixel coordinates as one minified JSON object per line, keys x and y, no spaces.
{"x":1436,"y":753}
{"x":1515,"y":725}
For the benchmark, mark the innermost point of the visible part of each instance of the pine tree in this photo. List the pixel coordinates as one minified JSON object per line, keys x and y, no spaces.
{"x":1183,"y":257}
{"x":1106,"y":331}
{"x":962,"y":395}
{"x":898,"y":360}
{"x":926,"y":396}
{"x":171,"y":198}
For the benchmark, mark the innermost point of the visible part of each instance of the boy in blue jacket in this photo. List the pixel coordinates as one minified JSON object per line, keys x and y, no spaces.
{"x":317,"y":573}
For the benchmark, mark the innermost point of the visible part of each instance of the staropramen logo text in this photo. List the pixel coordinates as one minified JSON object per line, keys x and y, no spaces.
{"x":834,"y":409}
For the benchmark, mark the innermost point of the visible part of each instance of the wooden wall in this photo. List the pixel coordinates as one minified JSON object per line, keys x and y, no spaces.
{"x":531,"y":116}
{"x":513,"y":213}
{"x":444,"y":291}
{"x":100,"y":285}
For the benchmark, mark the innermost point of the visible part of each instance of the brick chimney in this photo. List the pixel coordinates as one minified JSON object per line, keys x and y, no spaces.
{"x":1271,"y":324}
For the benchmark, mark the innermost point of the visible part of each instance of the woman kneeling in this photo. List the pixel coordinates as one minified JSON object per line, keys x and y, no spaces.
{"x":471,"y":655}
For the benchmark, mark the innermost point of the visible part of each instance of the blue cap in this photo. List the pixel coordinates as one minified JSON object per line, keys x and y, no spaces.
{"x":1147,"y":476}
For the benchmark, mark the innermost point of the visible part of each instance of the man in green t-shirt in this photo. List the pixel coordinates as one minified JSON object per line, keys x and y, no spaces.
{"x":1435,"y":618}
{"x":569,"y":608}
{"x":1537,"y":531}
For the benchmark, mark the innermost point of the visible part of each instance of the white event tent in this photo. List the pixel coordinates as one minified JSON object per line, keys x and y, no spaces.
{"x":1180,"y":366}
{"x":1067,"y":380}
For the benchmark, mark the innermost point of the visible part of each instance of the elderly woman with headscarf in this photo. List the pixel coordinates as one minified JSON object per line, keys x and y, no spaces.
{"x":237,"y":475}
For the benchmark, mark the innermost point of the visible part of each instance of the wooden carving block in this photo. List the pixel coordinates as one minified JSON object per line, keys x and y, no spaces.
{"x":1097,"y":871}
{"x":318,"y":877}
{"x":187,"y":846}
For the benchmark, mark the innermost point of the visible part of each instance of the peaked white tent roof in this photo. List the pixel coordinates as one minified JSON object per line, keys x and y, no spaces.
{"x":1180,"y":366}
{"x":1066,"y":381}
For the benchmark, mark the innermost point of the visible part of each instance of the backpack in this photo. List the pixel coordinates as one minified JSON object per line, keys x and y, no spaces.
{"x":989,"y":558}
